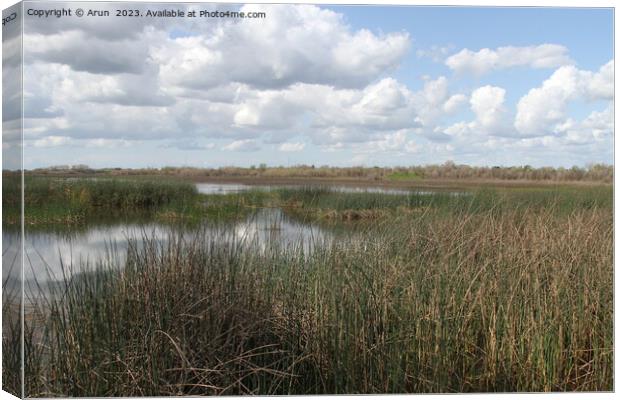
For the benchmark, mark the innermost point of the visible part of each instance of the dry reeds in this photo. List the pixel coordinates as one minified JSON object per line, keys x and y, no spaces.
{"x":503,"y":294}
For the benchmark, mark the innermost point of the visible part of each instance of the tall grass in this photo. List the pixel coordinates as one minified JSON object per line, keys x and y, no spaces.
{"x":563,"y":200}
{"x":11,"y":336}
{"x":493,"y":300}
{"x":325,"y":198}
{"x":69,"y":201}
{"x":53,"y":202}
{"x":105,"y":193}
{"x":74,"y":201}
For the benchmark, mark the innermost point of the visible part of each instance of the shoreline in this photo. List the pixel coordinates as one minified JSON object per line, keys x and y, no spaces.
{"x":438,"y":184}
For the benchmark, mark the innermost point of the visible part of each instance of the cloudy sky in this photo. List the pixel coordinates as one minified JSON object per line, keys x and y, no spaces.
{"x":342,"y":86}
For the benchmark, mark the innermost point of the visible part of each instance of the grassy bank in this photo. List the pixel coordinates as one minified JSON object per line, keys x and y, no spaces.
{"x":78,"y":201}
{"x":322,"y":203}
{"x":53,"y":202}
{"x":512,"y":291}
{"x":71,"y":201}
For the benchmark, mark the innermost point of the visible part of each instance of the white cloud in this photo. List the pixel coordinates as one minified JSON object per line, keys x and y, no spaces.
{"x":597,"y":126}
{"x":195,"y":86}
{"x":242,"y":145}
{"x":385,"y":96}
{"x":454,"y":103}
{"x":61,"y":141}
{"x":291,"y":147}
{"x":343,"y":115}
{"x":412,"y":147}
{"x":89,"y":54}
{"x":314,"y":45}
{"x":600,"y":123}
{"x":247,"y":115}
{"x":326,"y":81}
{"x":542,"y":107}
{"x":189,"y":144}
{"x":459,"y":129}
{"x":323,"y":80}
{"x":430,"y":100}
{"x":545,"y":106}
{"x":394,"y":142}
{"x":594,"y":130}
{"x":600,"y":85}
{"x":266,"y":109}
{"x":106,"y":143}
{"x":485,"y":60}
{"x":487,"y":103}
{"x":52,"y":141}
{"x":354,"y":116}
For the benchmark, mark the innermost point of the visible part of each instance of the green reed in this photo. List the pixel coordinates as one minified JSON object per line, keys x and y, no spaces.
{"x":500,"y":291}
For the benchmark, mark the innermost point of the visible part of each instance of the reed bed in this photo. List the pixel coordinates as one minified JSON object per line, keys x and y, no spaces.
{"x":313,"y":197}
{"x":75,"y":200}
{"x":320,"y":202}
{"x":52,"y":202}
{"x":485,"y":297}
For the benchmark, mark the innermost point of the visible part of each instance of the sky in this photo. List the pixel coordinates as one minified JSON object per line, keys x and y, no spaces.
{"x":322,"y":85}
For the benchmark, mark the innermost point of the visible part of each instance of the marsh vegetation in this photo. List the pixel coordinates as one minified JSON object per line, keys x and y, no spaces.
{"x":310,"y":290}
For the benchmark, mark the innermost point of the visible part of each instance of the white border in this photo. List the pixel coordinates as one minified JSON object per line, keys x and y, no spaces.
{"x":479,"y":3}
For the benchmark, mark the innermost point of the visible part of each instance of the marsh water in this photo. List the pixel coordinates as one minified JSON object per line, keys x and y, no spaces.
{"x":231,"y":188}
{"x":50,"y":253}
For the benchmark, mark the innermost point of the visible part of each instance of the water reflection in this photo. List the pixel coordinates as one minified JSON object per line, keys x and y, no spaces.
{"x":231,"y":188}
{"x":223,"y":188}
{"x":270,"y":226}
{"x":49,"y":255}
{"x":11,"y":266}
{"x":48,"y":251}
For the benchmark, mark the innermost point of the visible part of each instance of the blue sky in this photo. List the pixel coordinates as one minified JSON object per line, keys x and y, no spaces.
{"x":587,"y":33}
{"x":324,"y":85}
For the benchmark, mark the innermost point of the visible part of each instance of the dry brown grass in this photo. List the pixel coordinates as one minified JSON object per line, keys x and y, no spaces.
{"x":505,"y":296}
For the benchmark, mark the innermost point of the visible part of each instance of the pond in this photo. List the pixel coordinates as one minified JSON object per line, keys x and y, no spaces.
{"x":49,"y":254}
{"x":231,"y":188}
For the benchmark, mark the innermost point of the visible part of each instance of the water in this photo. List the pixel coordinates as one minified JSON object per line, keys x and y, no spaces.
{"x":46,"y":252}
{"x":223,"y":188}
{"x":231,"y":188}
